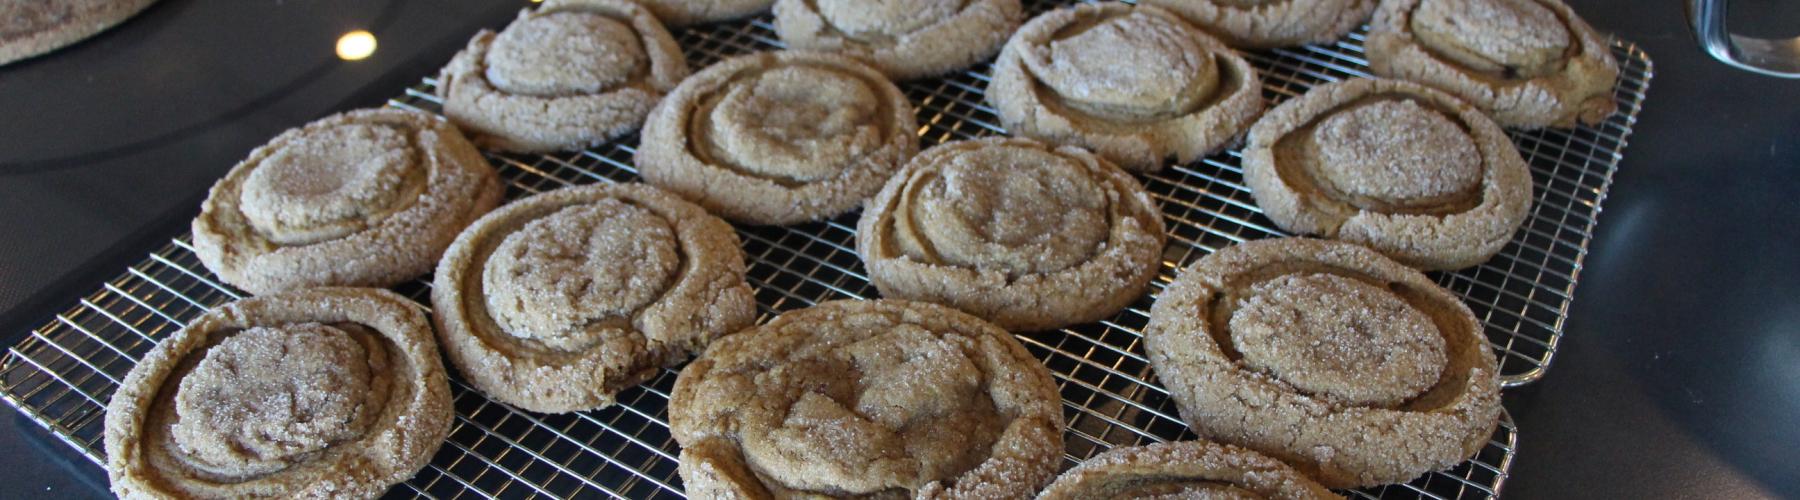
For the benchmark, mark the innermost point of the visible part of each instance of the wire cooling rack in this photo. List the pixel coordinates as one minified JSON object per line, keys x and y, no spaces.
{"x":62,"y":374}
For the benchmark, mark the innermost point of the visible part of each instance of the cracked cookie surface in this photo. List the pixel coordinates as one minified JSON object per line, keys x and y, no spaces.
{"x":318,"y":393}
{"x":779,"y":137}
{"x":567,"y":75}
{"x":362,"y":198}
{"x":556,"y":302}
{"x":1529,"y":63}
{"x":1029,"y":236}
{"x":1261,"y":24}
{"x":867,"y":399}
{"x":1135,"y":84}
{"x":1183,"y":470}
{"x":1353,"y":368}
{"x":1395,"y":166}
{"x":905,"y":39}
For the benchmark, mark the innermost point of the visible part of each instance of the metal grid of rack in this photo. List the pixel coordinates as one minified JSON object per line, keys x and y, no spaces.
{"x":63,"y":373}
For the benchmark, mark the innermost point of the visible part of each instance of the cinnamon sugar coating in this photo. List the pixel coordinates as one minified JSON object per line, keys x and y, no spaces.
{"x":1411,"y":172}
{"x":1260,"y":24}
{"x":567,"y":75}
{"x":317,"y":393}
{"x":556,"y":302}
{"x":1013,"y":231}
{"x":905,"y":39}
{"x":1351,"y":367}
{"x":676,"y":13}
{"x":1183,"y":470}
{"x":1136,"y":84}
{"x":1529,"y":63}
{"x":867,"y":399}
{"x":779,"y":137}
{"x":365,"y":198}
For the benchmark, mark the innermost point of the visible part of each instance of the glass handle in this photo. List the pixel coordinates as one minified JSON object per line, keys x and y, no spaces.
{"x":1779,"y":58}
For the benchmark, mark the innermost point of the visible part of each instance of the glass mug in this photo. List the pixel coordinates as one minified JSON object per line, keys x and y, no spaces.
{"x":1773,"y":57}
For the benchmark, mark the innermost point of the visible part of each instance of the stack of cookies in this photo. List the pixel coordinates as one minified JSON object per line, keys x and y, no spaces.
{"x":1303,"y":364}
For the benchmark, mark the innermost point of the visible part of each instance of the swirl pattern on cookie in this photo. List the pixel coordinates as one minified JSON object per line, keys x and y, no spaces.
{"x":1352,"y":367}
{"x":1260,"y":24}
{"x":364,"y":198}
{"x":867,"y":399}
{"x":1529,"y":63}
{"x":905,"y":39}
{"x":1394,"y":166}
{"x":556,"y":302}
{"x":779,"y":137}
{"x":1135,"y":84}
{"x":1183,"y":469}
{"x":318,"y":393}
{"x":568,"y":75}
{"x":677,"y":13}
{"x":1014,"y":231}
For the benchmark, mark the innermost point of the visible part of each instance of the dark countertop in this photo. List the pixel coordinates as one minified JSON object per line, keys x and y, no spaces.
{"x":1679,"y":376}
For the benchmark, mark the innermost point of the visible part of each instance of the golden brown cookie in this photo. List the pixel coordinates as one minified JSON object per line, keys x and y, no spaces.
{"x":1183,"y":470}
{"x":316,"y":393}
{"x":1014,"y":231}
{"x":1136,"y":85}
{"x":1406,"y":170}
{"x":1352,"y":367}
{"x":1529,"y":63}
{"x":867,"y":399}
{"x":363,"y":198}
{"x":779,"y":137}
{"x":1273,"y":23}
{"x":568,"y":75}
{"x":556,"y":302}
{"x":905,"y":39}
{"x":30,"y":28}
{"x":690,"y":12}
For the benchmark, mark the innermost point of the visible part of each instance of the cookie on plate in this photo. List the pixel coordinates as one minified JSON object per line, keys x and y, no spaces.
{"x":556,"y":302}
{"x":1353,"y":368}
{"x":317,"y":393}
{"x":1135,"y":84}
{"x":568,"y":75}
{"x":858,"y":398}
{"x":1406,"y":170}
{"x":779,"y":137}
{"x":905,"y":39}
{"x":363,"y":198}
{"x":1017,"y":232}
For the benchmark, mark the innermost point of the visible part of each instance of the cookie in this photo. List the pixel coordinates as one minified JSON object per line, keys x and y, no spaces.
{"x":568,"y":75}
{"x":316,"y":393}
{"x":556,"y":302}
{"x":1406,"y":170}
{"x":1185,"y":469}
{"x":1529,"y":63}
{"x":1135,"y":84}
{"x":29,"y":28}
{"x":1026,"y":235}
{"x":905,"y":39}
{"x":779,"y":138}
{"x":1261,"y":24}
{"x":692,"y":12}
{"x":363,"y":198}
{"x":867,"y":398}
{"x":1353,"y":368}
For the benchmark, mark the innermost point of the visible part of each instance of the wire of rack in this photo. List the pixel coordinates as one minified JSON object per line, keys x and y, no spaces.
{"x":62,"y":374}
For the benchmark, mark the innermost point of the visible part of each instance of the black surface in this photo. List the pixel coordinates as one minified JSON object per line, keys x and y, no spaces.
{"x":1679,"y":377}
